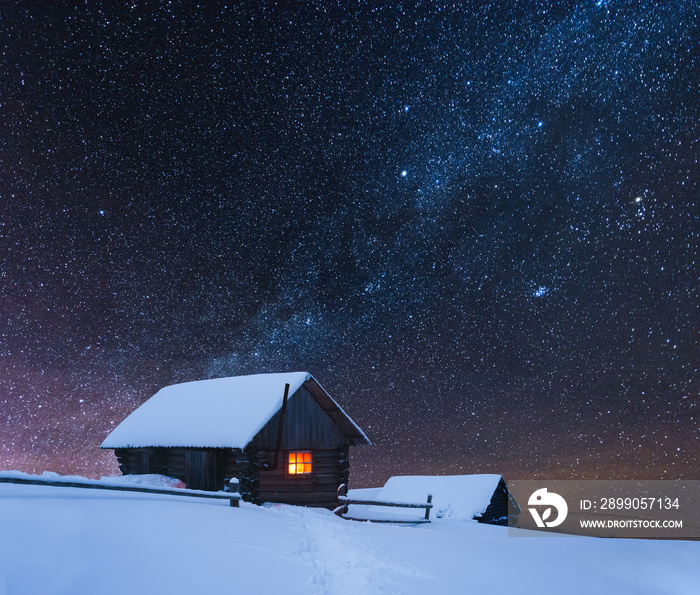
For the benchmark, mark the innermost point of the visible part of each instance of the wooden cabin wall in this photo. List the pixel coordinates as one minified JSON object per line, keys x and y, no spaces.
{"x":199,"y":469}
{"x":319,"y":488}
{"x":207,"y":469}
{"x":496,"y":512}
{"x":306,"y":427}
{"x":130,"y":460}
{"x":176,"y":464}
{"x":135,"y":461}
{"x":232,"y":465}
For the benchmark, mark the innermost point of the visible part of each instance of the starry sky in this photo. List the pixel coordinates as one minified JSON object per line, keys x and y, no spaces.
{"x":475,"y":223}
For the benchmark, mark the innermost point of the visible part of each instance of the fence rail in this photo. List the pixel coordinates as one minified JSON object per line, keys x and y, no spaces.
{"x":233,"y":497}
{"x":345,"y":501}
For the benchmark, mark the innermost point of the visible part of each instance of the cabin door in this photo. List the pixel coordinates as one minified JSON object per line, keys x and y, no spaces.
{"x":204,"y":470}
{"x":197,"y":470}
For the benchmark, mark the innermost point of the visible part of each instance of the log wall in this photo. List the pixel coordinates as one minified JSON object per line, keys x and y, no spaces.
{"x":260,"y":479}
{"x":199,"y":469}
{"x":319,"y":488}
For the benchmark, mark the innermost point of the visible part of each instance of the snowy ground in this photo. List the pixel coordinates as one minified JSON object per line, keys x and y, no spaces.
{"x":57,"y":540}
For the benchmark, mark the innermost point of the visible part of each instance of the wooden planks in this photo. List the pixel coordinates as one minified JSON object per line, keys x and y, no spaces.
{"x":306,"y":426}
{"x":345,"y":502}
{"x":496,"y":512}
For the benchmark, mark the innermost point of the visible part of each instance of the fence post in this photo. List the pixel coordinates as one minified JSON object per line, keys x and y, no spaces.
{"x":427,"y":508}
{"x":342,"y":490}
{"x":231,"y":485}
{"x":341,"y":493}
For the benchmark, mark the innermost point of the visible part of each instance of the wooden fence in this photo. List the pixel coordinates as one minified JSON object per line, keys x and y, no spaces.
{"x":233,"y":497}
{"x":345,"y":501}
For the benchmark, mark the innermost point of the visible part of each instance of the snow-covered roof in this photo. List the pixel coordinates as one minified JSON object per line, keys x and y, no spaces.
{"x":218,"y":413}
{"x":457,"y":497}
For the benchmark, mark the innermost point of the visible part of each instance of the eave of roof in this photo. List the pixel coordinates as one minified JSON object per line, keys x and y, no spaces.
{"x":336,"y":413}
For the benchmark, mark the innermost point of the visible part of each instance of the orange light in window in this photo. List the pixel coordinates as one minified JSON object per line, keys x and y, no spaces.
{"x":299,"y":463}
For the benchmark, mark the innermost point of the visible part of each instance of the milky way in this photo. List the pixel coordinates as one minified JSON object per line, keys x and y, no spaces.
{"x":476,"y":224}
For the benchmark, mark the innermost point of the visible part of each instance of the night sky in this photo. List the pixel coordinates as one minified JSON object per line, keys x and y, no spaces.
{"x":477,"y":224}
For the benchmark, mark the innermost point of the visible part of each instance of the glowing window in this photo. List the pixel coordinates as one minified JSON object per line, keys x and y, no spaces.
{"x":299,"y":463}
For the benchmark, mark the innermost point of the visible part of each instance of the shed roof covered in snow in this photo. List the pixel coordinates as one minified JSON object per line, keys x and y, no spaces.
{"x":482,"y":498}
{"x":220,"y":413}
{"x":457,"y":497}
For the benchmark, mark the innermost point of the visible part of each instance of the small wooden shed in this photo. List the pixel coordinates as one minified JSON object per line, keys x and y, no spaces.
{"x":483,"y":498}
{"x":281,"y":435}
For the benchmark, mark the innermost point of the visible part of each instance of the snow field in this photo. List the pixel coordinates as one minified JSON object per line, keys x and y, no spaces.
{"x":56,"y":540}
{"x":342,"y":556}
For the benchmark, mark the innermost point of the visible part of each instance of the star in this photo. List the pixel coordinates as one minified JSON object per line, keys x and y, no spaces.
{"x":535,"y":254}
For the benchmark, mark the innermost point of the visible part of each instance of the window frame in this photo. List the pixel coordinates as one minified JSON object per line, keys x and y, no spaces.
{"x":288,"y":463}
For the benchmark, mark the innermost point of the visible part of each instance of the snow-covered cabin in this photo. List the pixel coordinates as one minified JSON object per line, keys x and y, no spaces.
{"x":281,"y":435}
{"x":482,"y":498}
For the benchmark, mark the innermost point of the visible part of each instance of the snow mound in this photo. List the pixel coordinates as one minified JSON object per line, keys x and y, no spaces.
{"x":146,"y":480}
